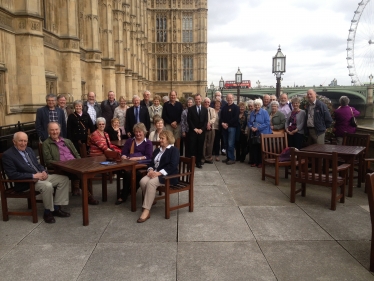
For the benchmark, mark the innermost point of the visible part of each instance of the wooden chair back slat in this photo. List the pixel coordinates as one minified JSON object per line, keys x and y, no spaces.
{"x":318,"y":169}
{"x":272,"y":146}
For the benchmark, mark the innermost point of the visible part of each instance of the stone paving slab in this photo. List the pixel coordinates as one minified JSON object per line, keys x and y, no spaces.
{"x":131,"y":261}
{"x":282,"y":223}
{"x":213,"y":224}
{"x":57,"y":261}
{"x":123,"y":227}
{"x":222,"y":261}
{"x":346,"y":223}
{"x":312,"y":260}
{"x":360,"y":250}
{"x":258,"y":195}
{"x":209,"y":196}
{"x":210,"y":178}
{"x":17,"y":228}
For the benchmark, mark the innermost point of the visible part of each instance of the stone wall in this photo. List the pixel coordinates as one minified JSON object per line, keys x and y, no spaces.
{"x":72,"y":47}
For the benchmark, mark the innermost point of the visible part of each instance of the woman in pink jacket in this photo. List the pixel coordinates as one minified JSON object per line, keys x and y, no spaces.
{"x":342,"y":117}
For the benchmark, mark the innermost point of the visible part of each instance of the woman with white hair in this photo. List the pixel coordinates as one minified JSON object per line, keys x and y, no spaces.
{"x":259,"y":123}
{"x":277,"y":118}
{"x":100,"y":140}
{"x":342,"y":115}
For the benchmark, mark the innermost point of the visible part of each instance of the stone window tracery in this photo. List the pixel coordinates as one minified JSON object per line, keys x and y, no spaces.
{"x":187,"y":68}
{"x":187,"y":32}
{"x":162,"y":68}
{"x":161,"y":28}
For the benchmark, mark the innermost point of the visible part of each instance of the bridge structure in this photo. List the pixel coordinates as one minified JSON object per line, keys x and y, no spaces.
{"x":361,"y":97}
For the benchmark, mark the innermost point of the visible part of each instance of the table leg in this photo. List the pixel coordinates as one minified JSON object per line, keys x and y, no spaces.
{"x":104,"y":188}
{"x":351,"y":175}
{"x":85,"y":200}
{"x":133,"y":189}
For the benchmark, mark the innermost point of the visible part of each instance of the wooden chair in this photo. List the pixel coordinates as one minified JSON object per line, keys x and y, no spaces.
{"x":358,"y":140}
{"x":319,"y":169}
{"x":370,"y":190}
{"x":7,"y":191}
{"x":186,"y":183}
{"x":272,"y":146}
{"x":41,"y":158}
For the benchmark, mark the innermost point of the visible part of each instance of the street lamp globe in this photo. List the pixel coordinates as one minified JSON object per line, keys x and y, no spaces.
{"x":279,"y":62}
{"x":221,"y":83}
{"x":238,"y":77}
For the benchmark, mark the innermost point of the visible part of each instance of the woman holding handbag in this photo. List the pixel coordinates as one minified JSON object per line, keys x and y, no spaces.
{"x":295,"y":125}
{"x":259,"y":123}
{"x":344,"y":119}
{"x":79,"y":125}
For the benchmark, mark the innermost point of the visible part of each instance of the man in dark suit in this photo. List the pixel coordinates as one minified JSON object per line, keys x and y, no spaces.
{"x":20,"y":163}
{"x":49,"y":113}
{"x":197,"y":119}
{"x":135,"y":114}
{"x":146,"y":99}
{"x":67,"y":109}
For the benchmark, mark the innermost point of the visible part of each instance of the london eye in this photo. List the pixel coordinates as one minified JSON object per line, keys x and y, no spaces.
{"x":360,"y":44}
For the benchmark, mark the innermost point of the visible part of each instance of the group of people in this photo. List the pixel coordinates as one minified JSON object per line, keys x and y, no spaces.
{"x":206,"y":127}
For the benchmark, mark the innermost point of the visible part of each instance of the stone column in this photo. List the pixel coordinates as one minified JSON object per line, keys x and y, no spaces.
{"x":92,"y":54}
{"x":29,"y":50}
{"x":70,"y":81}
{"x":120,"y":78}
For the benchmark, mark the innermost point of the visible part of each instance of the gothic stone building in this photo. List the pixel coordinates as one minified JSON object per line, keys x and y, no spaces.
{"x":72,"y":47}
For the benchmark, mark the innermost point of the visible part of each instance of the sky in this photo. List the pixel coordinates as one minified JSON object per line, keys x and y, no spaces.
{"x":312,"y":34}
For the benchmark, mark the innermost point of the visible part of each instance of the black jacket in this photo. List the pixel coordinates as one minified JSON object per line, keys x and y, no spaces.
{"x":131,"y":119}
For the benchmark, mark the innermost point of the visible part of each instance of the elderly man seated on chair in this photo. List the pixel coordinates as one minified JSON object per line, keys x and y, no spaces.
{"x":56,"y":148}
{"x":20,"y":163}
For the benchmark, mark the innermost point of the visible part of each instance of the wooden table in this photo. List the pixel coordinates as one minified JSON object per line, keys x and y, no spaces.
{"x":87,"y":168}
{"x":347,"y":152}
{"x":119,"y":143}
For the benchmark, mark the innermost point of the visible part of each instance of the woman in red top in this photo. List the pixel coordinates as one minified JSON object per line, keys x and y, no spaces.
{"x":100,"y":140}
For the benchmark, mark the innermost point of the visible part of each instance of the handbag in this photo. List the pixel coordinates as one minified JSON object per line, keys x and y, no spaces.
{"x":112,"y":155}
{"x":255,"y":139}
{"x":352,"y":121}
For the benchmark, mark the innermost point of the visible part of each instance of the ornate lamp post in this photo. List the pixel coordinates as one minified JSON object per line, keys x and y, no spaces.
{"x":221,"y":85}
{"x":238,"y":80}
{"x":371,"y":78}
{"x":279,"y":67}
{"x":258,"y":83}
{"x":212,"y":89}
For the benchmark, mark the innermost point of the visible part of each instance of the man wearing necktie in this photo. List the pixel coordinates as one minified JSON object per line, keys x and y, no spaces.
{"x":197,"y":119}
{"x":136,"y":114}
{"x":20,"y":163}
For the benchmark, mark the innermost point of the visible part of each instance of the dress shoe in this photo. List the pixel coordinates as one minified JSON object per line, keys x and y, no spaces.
{"x":48,"y":218}
{"x":199,"y":166}
{"x":208,"y":161}
{"x":119,"y":202}
{"x":230,"y":162}
{"x":225,"y":160}
{"x":253,"y":165}
{"x":92,"y":201}
{"x":60,"y":213}
{"x":259,"y":166}
{"x":140,"y":220}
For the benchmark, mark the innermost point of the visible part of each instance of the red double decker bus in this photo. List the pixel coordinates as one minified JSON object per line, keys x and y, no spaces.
{"x":246,"y":84}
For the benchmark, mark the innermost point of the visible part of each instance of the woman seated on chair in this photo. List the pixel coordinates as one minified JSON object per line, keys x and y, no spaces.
{"x":114,"y":131}
{"x":159,"y":127}
{"x":100,"y":140}
{"x":164,"y":162}
{"x":137,"y":149}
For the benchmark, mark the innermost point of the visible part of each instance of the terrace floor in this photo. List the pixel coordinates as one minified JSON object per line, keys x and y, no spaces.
{"x":242,"y":228}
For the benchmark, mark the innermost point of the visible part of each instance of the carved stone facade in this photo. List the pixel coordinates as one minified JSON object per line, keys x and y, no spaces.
{"x":72,"y":47}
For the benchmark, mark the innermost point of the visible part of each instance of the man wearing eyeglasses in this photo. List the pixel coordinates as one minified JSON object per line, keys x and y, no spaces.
{"x":49,"y":113}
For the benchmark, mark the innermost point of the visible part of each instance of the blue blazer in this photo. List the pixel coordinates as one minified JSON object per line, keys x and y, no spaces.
{"x":16,"y":167}
{"x":42,"y":120}
{"x":262,"y":122}
{"x":169,"y":162}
